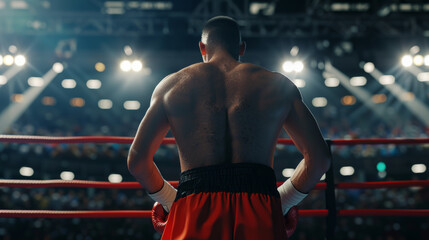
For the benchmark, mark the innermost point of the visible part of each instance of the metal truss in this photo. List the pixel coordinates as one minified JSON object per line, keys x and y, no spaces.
{"x":317,"y":21}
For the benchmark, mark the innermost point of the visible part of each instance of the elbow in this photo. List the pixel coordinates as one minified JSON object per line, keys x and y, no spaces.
{"x":320,"y":160}
{"x":134,"y":162}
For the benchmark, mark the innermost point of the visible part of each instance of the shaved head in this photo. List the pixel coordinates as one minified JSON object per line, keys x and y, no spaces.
{"x":222,"y":32}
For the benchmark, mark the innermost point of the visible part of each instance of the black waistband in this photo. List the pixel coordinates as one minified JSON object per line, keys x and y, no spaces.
{"x":237,"y":177}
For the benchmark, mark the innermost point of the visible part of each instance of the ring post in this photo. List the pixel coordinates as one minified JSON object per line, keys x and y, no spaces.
{"x":331,"y":203}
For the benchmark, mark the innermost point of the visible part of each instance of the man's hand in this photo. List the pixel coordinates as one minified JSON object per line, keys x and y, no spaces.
{"x":159,"y":217}
{"x":291,"y":221}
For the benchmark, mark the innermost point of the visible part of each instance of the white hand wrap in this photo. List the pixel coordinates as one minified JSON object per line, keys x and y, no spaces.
{"x":165,"y":196}
{"x":289,"y":196}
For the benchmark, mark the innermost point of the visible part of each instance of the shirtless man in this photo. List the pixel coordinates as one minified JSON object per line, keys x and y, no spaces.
{"x":226,"y":117}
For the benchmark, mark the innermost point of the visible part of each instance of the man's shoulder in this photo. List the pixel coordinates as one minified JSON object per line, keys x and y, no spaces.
{"x":168,"y":82}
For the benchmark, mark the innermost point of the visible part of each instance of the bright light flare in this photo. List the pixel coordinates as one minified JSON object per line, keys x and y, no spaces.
{"x":369,"y":67}
{"x":298,"y":66}
{"x":407,"y":60}
{"x":136,"y":65}
{"x":8,"y":60}
{"x":125,"y":65}
{"x":418,"y":60}
{"x":288,"y":66}
{"x":426,"y":60}
{"x":20,"y":60}
{"x":58,"y":67}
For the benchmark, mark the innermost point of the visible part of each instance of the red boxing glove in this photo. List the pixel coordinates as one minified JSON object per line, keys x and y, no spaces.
{"x":159,"y":217}
{"x":291,"y":221}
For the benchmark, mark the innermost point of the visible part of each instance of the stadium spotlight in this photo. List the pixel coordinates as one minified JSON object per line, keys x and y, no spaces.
{"x":319,"y":102}
{"x":332,"y":82}
{"x":1,"y":60}
{"x":136,"y":65}
{"x":26,"y":171}
{"x":20,"y":60}
{"x":418,"y":60}
{"x":298,"y":66}
{"x":115,"y":178}
{"x":347,"y":171}
{"x":426,"y":60}
{"x":288,"y":172}
{"x":100,"y":67}
{"x":418,"y":168}
{"x":125,"y":65}
{"x":12,"y":49}
{"x":68,"y":83}
{"x":131,"y":105}
{"x":67,"y":175}
{"x":8,"y":60}
{"x":407,"y":60}
{"x":93,"y":84}
{"x":358,"y":81}
{"x":58,"y":67}
{"x":105,"y":104}
{"x":369,"y":67}
{"x":288,"y":66}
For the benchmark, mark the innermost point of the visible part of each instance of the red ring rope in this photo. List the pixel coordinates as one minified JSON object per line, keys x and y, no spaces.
{"x":128,"y":140}
{"x":148,"y":214}
{"x":136,"y":185}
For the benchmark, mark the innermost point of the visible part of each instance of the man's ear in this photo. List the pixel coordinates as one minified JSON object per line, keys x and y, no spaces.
{"x":202,"y":48}
{"x":242,"y":48}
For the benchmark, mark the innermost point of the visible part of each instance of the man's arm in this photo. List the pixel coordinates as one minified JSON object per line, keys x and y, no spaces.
{"x":305,"y":133}
{"x":150,"y":134}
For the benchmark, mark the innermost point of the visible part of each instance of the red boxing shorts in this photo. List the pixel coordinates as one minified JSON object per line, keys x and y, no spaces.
{"x":231,"y":201}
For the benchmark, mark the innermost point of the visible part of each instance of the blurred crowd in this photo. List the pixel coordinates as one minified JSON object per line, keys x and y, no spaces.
{"x":136,"y":228}
{"x":97,"y":161}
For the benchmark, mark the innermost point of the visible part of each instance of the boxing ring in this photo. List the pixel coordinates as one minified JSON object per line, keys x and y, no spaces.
{"x":331,"y":213}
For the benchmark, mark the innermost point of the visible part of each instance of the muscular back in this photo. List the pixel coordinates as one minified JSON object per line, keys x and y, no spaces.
{"x":220,"y":113}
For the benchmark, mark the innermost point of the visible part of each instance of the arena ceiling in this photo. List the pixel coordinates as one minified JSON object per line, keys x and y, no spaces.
{"x":260,"y":18}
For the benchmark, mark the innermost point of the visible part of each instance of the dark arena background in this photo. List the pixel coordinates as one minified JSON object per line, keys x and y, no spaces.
{"x":88,"y":68}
